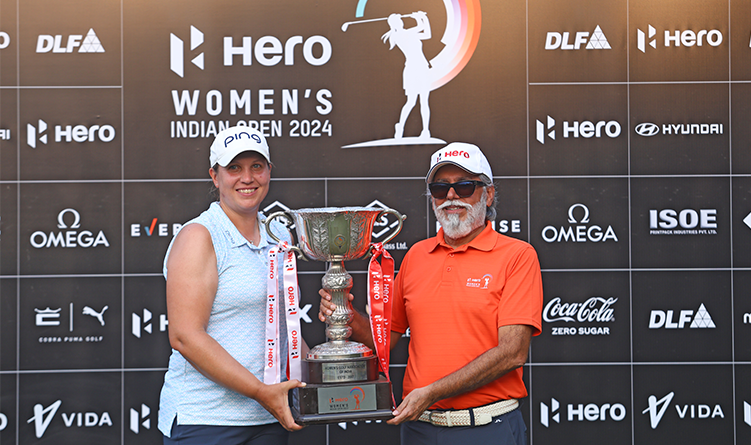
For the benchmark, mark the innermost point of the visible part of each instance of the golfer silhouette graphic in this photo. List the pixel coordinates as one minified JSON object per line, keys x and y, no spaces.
{"x":415,"y":78}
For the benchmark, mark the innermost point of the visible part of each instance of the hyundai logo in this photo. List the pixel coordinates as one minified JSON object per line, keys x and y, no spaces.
{"x":647,"y":129}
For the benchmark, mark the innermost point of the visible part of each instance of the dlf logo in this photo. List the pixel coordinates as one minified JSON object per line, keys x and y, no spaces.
{"x":88,"y":44}
{"x":177,"y":51}
{"x":140,"y":419}
{"x":556,"y":40}
{"x":665,"y":319}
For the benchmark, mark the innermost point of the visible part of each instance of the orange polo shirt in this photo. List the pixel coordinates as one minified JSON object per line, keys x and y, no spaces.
{"x":454,"y":301}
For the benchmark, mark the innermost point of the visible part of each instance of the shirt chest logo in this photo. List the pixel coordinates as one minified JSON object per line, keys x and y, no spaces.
{"x":480,"y":283}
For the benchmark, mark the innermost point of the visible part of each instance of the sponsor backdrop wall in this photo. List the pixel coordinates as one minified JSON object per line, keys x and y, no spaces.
{"x":618,"y":133}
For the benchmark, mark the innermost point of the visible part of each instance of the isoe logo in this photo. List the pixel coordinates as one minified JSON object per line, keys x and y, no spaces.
{"x":684,"y":222}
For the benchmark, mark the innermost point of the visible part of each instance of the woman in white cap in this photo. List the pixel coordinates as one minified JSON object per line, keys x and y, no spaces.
{"x":216,"y":269}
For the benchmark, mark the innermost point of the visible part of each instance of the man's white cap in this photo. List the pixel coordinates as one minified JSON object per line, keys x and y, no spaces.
{"x":467,"y":156}
{"x":232,"y":141}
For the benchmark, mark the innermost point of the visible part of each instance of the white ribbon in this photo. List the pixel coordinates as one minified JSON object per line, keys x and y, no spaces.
{"x":290,"y":300}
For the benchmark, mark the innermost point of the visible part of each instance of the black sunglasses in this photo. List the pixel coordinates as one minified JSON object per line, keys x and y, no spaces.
{"x":464,"y":189}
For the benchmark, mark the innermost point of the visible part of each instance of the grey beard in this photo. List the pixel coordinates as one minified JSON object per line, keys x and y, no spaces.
{"x":453,"y":226}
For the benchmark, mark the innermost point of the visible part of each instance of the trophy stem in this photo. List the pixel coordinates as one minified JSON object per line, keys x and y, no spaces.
{"x":338,"y":282}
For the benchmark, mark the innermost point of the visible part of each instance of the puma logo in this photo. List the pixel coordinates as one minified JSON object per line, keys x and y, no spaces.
{"x":98,"y":315}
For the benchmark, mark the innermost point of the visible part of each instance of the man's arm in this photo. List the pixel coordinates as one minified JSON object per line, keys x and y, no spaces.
{"x":510,"y":354}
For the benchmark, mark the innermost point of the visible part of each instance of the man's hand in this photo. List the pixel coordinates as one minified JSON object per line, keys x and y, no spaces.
{"x":412,"y":406}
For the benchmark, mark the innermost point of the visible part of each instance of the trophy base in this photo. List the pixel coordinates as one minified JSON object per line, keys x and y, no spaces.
{"x":341,"y":371}
{"x":317,"y":404}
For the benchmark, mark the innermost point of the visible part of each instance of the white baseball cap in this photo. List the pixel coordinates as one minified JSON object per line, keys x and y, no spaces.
{"x":467,"y":156}
{"x":232,"y":141}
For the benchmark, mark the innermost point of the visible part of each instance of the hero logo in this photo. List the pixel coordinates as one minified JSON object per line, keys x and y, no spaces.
{"x":685,"y":222}
{"x":68,"y":238}
{"x":648,"y":129}
{"x":657,"y":408}
{"x":576,"y":129}
{"x":677,"y":38}
{"x":665,"y":319}
{"x":590,"y":412}
{"x":43,"y":416}
{"x":177,"y":51}
{"x":4,"y":40}
{"x":69,"y":133}
{"x":88,"y":44}
{"x":557,"y":40}
{"x":142,"y":323}
{"x":140,"y":418}
{"x":268,"y":50}
{"x":579,"y":233}
{"x":594,"y":309}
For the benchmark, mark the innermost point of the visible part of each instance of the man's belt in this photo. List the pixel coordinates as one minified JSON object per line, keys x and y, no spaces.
{"x":481,"y":415}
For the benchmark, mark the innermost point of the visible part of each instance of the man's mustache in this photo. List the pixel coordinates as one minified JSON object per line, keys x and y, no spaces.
{"x":454,"y":202}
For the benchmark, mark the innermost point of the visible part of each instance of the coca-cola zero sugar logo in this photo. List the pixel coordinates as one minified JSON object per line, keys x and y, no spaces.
{"x":593,"y":310}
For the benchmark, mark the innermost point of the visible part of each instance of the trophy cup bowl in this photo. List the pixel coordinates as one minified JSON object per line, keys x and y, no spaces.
{"x":343,"y":375}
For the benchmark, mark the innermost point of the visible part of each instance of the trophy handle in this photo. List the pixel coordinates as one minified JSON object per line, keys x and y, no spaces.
{"x":287,"y":224}
{"x":399,"y":218}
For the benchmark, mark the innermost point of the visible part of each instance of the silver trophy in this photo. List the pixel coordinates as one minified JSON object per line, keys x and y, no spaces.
{"x":342,"y":375}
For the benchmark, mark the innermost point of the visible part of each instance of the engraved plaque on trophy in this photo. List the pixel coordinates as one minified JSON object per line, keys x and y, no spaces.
{"x":343,"y":383}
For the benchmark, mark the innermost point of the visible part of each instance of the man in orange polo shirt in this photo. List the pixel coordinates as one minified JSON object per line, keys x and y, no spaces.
{"x":472,"y":299}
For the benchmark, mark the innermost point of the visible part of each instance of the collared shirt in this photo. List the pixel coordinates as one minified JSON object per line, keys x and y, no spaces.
{"x":454,"y":300}
{"x":237,"y":322}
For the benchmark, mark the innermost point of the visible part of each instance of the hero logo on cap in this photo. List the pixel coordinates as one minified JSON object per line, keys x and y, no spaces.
{"x":467,"y":156}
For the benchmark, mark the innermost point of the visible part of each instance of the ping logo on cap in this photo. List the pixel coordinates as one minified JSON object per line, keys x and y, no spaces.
{"x":229,"y":139}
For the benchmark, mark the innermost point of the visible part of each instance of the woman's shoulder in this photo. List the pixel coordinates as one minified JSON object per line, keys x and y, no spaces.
{"x":192,"y":234}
